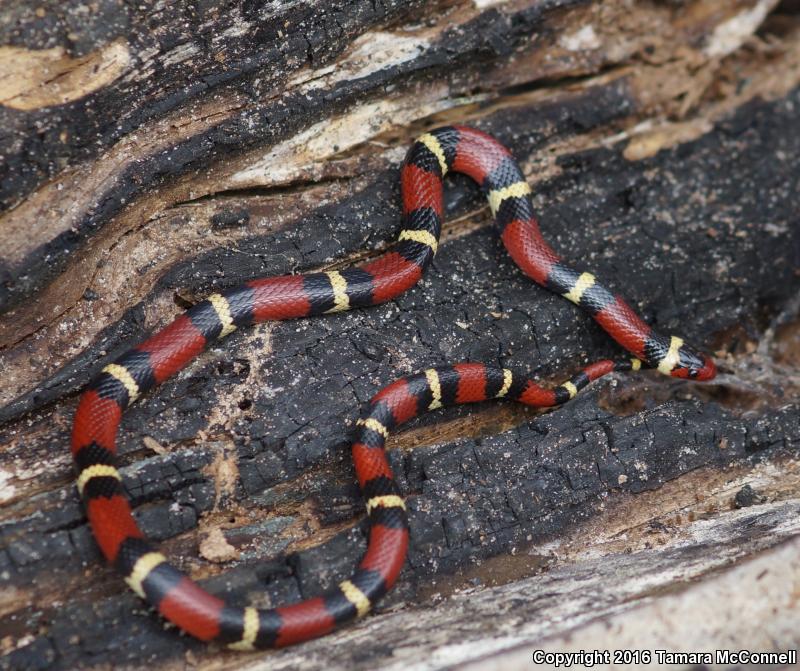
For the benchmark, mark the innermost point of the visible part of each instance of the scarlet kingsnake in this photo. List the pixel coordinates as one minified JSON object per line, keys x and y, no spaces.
{"x":458,"y":149}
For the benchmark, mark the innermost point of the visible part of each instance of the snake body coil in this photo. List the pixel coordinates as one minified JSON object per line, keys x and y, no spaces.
{"x":458,"y":149}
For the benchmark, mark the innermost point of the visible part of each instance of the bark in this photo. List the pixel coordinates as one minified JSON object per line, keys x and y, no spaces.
{"x":152,"y":153}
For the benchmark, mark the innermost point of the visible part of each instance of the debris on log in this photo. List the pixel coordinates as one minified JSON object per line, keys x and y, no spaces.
{"x":152,"y":153}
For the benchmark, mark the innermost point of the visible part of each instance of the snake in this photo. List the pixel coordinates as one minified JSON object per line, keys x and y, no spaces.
{"x":447,"y":149}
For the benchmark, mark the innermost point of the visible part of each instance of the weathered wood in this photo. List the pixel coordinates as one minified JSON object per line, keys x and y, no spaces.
{"x":660,"y":141}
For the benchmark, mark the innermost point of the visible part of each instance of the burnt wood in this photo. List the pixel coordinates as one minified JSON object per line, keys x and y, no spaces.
{"x":250,"y":139}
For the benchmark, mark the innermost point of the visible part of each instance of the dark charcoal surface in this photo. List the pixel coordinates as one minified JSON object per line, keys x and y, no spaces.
{"x":369,"y":220}
{"x":255,"y":65}
{"x":643,"y":227}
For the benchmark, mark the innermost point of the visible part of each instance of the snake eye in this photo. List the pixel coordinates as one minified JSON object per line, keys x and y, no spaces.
{"x":693,"y":373}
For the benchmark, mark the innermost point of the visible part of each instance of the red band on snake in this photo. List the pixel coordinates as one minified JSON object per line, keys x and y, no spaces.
{"x":458,"y":149}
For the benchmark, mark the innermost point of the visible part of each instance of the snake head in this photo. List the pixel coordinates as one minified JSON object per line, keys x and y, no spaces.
{"x":694,"y":365}
{"x":673,"y":357}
